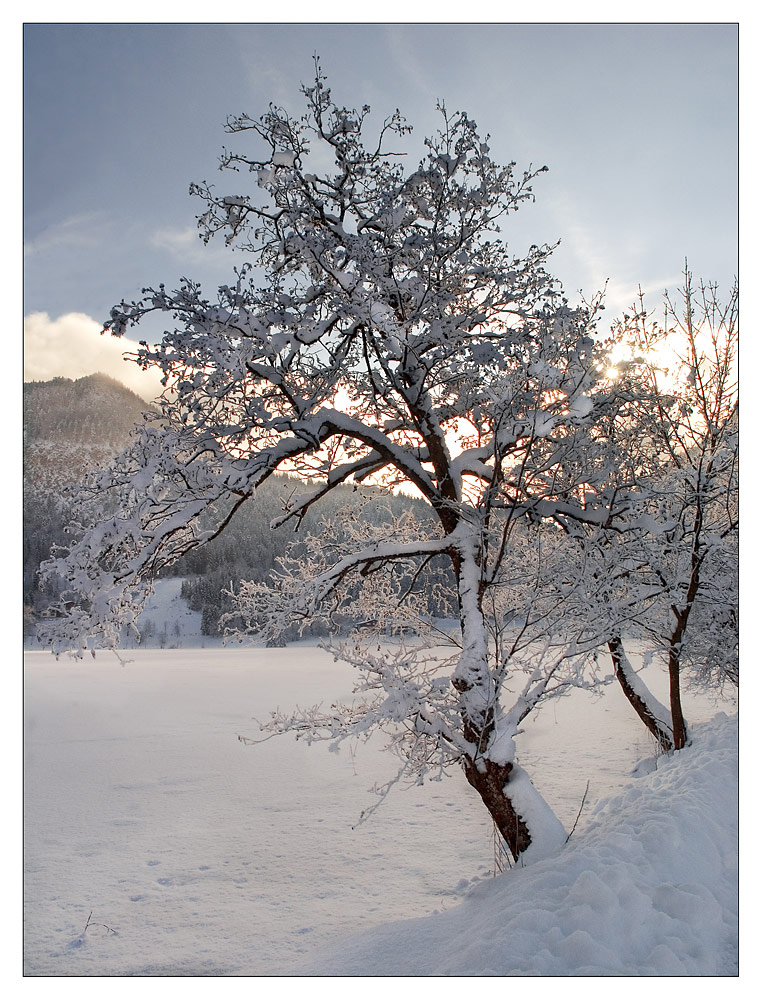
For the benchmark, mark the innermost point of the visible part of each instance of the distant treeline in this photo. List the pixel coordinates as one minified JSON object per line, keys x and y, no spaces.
{"x":72,"y":427}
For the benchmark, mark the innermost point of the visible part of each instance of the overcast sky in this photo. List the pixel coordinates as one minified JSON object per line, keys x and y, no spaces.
{"x":637,"y":123}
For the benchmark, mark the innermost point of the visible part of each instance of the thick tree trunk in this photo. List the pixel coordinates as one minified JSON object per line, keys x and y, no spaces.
{"x":638,"y":696}
{"x":473,"y":680}
{"x":490,"y":784}
{"x":682,"y":615}
{"x":675,"y":703}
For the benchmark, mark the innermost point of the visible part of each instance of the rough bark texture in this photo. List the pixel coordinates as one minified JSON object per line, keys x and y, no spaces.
{"x":490,"y":784}
{"x":682,"y":614}
{"x":678,"y":719}
{"x":653,"y":725}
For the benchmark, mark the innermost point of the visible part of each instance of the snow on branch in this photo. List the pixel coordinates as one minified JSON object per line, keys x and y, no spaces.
{"x":380,"y":331}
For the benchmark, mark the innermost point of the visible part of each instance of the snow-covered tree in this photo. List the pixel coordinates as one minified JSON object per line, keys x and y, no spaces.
{"x":689,"y":566}
{"x":668,"y":578}
{"x":380,"y":330}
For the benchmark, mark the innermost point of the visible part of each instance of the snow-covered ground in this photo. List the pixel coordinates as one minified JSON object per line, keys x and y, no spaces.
{"x":199,"y":855}
{"x":168,"y":623}
{"x":648,"y":889}
{"x":165,"y":623}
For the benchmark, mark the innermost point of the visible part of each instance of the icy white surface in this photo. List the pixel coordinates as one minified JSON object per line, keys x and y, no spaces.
{"x":548,"y":835}
{"x":209,"y":857}
{"x":649,"y":889}
{"x":166,"y":622}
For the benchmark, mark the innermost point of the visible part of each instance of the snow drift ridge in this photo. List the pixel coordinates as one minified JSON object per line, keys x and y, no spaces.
{"x":649,"y":888}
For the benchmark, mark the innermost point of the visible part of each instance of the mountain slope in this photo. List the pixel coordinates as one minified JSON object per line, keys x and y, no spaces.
{"x":73,"y":427}
{"x":94,"y":410}
{"x":70,"y":428}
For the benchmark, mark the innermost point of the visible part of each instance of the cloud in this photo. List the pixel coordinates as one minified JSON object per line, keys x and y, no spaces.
{"x":621,"y":295}
{"x":177,"y":241}
{"x":610,"y":262}
{"x":72,"y":346}
{"x":84,"y":229}
{"x":184,"y":243}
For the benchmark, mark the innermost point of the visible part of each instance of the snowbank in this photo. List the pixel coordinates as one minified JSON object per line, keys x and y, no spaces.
{"x":649,"y":889}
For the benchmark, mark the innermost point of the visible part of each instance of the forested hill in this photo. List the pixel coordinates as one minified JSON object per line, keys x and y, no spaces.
{"x":72,"y":427}
{"x":94,"y":410}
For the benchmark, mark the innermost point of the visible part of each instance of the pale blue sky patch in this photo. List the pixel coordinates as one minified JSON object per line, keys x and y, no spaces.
{"x":86,"y":229}
{"x":638,"y":125}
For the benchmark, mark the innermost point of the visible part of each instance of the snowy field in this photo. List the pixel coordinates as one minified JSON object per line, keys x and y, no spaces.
{"x":198,"y":855}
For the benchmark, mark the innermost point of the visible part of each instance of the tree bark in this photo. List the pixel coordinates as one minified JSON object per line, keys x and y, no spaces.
{"x":473,"y":681}
{"x":643,"y":710}
{"x":490,"y":784}
{"x":682,"y":614}
{"x":675,"y":703}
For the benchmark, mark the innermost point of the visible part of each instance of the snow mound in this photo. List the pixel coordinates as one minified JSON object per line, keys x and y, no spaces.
{"x":649,"y":888}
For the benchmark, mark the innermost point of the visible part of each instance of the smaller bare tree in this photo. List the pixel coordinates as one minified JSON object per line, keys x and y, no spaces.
{"x":669,"y":577}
